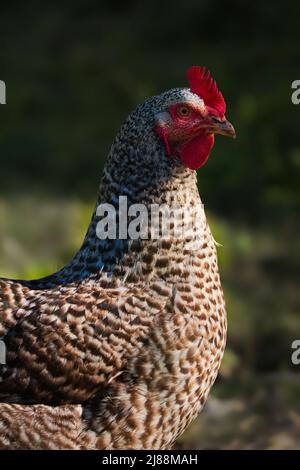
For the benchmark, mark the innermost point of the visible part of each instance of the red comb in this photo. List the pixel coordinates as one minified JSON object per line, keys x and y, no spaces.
{"x":203,"y":85}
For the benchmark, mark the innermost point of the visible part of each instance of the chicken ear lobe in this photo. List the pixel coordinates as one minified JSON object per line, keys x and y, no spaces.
{"x":163,"y":134}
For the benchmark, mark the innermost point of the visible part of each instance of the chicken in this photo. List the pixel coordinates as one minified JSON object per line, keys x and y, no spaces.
{"x":119,"y":349}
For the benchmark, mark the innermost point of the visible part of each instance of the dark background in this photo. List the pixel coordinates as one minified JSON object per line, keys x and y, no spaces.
{"x":73,"y":72}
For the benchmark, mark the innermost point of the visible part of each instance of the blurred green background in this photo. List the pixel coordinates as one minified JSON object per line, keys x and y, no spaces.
{"x":73,"y":72}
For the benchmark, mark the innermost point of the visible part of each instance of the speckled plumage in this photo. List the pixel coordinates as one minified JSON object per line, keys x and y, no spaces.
{"x":120,"y":348}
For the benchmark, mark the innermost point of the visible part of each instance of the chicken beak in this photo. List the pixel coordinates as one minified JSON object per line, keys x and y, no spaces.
{"x":222,"y":126}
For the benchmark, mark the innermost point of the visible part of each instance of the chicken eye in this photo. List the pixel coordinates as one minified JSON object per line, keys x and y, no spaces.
{"x":183,"y":112}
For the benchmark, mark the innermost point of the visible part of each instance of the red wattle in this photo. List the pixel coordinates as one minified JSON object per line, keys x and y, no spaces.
{"x":196,"y":152}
